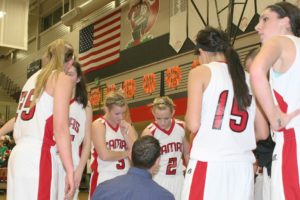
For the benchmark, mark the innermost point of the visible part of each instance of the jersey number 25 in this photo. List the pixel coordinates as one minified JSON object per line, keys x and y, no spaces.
{"x":27,"y":112}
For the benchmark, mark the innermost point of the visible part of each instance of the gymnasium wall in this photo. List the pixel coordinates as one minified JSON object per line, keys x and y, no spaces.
{"x":153,"y":56}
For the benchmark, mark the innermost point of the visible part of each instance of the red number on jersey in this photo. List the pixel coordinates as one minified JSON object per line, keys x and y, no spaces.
{"x":220,"y":110}
{"x":121,"y":164}
{"x":27,"y":112}
{"x":235,"y":125}
{"x":172,"y":166}
{"x":72,"y":137}
{"x":238,"y":126}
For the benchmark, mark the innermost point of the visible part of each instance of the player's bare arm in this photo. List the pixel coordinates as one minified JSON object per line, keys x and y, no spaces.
{"x":99,"y":142}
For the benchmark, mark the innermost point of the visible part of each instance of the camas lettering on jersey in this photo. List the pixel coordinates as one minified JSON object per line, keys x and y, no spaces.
{"x":171,"y":147}
{"x":116,"y":144}
{"x":74,"y":124}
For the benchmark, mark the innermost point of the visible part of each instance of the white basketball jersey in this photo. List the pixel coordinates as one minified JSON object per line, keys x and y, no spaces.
{"x":32,"y":164}
{"x":35,"y":122}
{"x":171,"y":147}
{"x":286,"y":86}
{"x":114,"y":142}
{"x":286,"y":155}
{"x":225,"y":133}
{"x":77,"y":118}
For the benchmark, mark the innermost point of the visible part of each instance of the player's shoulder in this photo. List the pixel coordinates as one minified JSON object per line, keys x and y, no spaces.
{"x":180,"y":123}
{"x":149,"y":130}
{"x":150,"y":126}
{"x":99,"y":121}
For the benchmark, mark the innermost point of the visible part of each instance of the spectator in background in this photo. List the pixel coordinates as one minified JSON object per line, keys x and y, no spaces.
{"x":137,"y":184}
{"x":4,"y":150}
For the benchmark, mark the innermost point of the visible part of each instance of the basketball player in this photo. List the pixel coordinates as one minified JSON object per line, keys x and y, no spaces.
{"x":221,"y":111}
{"x":41,"y":125}
{"x":9,"y":125}
{"x":80,"y":118}
{"x":263,"y":153}
{"x":279,"y":31}
{"x":171,"y":135}
{"x":112,"y":138}
{"x":80,"y":121}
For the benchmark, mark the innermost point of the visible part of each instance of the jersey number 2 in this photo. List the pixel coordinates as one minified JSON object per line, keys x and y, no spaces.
{"x":234,"y":124}
{"x":172,"y":166}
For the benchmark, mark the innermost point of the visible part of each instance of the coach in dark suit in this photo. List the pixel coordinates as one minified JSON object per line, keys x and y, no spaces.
{"x":137,"y":184}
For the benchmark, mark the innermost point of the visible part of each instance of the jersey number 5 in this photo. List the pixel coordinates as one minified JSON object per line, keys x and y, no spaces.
{"x":234,"y":124}
{"x":27,"y":112}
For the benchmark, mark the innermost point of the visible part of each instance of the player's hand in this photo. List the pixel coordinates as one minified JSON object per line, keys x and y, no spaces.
{"x":129,"y":151}
{"x":69,"y":186}
{"x":124,"y":127}
{"x":281,"y":120}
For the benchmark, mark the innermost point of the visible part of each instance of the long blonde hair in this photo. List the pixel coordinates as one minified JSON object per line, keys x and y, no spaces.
{"x":58,"y":52}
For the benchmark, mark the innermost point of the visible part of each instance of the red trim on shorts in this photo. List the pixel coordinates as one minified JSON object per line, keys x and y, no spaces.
{"x":95,"y":174}
{"x":198,"y":182}
{"x":290,"y":174}
{"x":45,"y":174}
{"x":94,"y":180}
{"x":289,"y":168}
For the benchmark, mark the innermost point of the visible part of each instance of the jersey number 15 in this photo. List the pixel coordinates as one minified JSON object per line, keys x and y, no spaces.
{"x":234,"y":124}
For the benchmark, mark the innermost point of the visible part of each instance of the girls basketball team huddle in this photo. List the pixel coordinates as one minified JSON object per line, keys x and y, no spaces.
{"x":226,"y":114}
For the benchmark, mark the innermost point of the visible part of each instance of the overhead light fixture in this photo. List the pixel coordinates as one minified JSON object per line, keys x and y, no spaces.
{"x":2,"y":13}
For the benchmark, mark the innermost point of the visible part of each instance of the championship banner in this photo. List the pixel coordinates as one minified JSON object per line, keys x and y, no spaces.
{"x":203,"y":13}
{"x":178,"y":23}
{"x":142,"y":16}
{"x":194,"y":22}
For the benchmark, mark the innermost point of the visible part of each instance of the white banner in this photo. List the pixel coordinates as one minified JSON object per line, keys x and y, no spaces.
{"x":14,"y":24}
{"x":197,"y":22}
{"x":178,"y":23}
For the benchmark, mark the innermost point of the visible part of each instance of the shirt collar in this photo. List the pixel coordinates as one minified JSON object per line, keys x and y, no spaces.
{"x":140,"y":172}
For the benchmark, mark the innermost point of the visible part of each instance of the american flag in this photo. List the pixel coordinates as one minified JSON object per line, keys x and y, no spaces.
{"x":99,"y":43}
